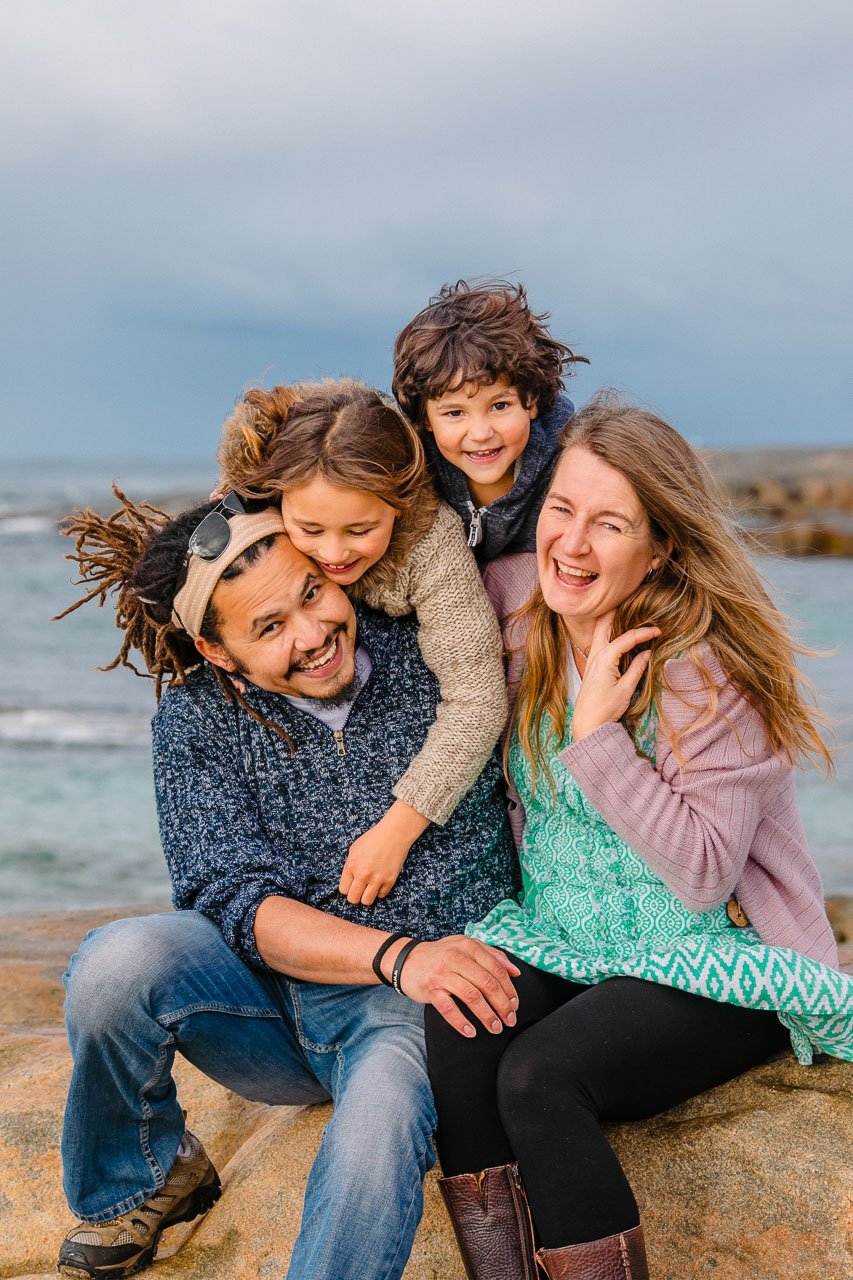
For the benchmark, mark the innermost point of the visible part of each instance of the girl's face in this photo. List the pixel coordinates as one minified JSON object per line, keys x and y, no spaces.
{"x":593,"y":542}
{"x":344,"y":530}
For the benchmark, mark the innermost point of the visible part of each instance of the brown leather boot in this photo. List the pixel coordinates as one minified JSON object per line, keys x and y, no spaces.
{"x":620,"y":1257}
{"x":492,"y":1223}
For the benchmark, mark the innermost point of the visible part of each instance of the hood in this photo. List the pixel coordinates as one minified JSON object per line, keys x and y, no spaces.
{"x":509,"y":523}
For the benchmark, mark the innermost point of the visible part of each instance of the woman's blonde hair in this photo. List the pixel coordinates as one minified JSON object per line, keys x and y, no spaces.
{"x":705,"y":590}
{"x":344,"y":431}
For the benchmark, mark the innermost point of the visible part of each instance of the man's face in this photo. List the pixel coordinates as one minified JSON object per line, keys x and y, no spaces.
{"x":284,"y":626}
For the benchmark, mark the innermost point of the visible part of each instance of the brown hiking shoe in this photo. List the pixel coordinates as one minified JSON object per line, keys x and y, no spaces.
{"x":128,"y":1244}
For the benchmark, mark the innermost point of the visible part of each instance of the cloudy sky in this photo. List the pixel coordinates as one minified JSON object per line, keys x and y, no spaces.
{"x":205,"y":194}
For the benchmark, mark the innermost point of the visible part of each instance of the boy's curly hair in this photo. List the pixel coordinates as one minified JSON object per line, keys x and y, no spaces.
{"x":478,"y":333}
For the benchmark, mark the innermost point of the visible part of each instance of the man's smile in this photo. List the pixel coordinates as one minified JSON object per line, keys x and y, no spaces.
{"x":325,"y":664}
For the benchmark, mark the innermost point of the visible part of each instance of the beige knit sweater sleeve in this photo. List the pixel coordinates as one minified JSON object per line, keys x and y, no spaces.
{"x":461,"y":644}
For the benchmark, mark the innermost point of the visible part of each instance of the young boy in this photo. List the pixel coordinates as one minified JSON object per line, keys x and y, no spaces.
{"x":479,"y":374}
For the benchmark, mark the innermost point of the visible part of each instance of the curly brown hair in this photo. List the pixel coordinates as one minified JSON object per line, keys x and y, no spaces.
{"x":479,"y":333}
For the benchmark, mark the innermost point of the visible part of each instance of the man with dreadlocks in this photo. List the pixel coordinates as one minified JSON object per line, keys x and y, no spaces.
{"x":288,"y":717}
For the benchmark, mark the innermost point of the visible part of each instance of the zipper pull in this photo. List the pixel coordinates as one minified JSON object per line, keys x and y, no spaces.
{"x":475,"y":534}
{"x":339,"y":741}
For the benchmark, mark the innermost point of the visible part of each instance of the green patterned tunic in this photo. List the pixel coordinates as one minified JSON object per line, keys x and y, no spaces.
{"x":591,"y":909}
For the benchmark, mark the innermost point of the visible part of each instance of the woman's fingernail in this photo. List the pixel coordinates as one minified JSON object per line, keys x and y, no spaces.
{"x":469,"y":1030}
{"x":497,"y":1026}
{"x":510,"y":1022}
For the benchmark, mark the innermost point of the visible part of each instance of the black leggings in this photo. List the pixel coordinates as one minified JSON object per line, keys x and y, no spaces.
{"x":539,"y":1092}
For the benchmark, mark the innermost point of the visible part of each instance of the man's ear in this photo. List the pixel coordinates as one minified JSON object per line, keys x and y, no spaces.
{"x":215,"y":653}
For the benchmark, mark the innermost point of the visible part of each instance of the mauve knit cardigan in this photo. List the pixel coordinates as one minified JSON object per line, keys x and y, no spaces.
{"x":726,"y":823}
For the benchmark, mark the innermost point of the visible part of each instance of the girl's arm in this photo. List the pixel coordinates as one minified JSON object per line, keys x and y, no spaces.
{"x":694,"y":825}
{"x":460,"y":641}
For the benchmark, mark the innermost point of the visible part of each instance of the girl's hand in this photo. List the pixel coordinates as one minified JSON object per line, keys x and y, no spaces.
{"x":375,"y":859}
{"x":605,"y":694}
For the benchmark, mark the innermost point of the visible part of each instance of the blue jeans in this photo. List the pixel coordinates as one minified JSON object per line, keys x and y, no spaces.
{"x":139,"y":989}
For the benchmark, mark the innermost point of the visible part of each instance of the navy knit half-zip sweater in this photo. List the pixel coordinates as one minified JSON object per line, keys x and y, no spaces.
{"x":242,"y":818}
{"x":509,"y":523}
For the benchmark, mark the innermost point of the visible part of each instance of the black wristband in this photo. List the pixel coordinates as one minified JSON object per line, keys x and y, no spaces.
{"x":402,"y":957}
{"x":377,"y":959}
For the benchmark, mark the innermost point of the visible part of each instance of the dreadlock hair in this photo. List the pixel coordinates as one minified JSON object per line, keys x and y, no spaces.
{"x":137,"y":555}
{"x":478,"y":332}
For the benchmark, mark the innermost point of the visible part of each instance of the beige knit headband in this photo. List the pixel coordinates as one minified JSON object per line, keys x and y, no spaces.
{"x":190,"y":604}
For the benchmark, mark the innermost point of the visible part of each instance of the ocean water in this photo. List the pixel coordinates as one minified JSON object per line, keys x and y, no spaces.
{"x":79,"y":826}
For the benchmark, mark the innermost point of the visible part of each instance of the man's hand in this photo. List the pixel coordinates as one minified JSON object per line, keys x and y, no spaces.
{"x":478,"y":975}
{"x":375,"y":858}
{"x":605,"y":694}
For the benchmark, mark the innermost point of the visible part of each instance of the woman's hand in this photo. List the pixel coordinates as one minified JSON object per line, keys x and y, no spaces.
{"x":605,"y":694}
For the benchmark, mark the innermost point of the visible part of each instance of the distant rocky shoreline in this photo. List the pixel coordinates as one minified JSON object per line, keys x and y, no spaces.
{"x":796,"y":502}
{"x":792,"y":501}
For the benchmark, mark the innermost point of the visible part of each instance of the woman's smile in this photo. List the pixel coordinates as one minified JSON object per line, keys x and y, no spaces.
{"x":573,"y":577}
{"x":593,"y":541}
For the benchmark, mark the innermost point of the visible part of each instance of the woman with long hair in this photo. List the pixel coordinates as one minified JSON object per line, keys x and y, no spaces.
{"x":671,"y":932}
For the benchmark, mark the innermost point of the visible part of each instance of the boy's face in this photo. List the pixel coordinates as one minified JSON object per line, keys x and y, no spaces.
{"x":482,"y":431}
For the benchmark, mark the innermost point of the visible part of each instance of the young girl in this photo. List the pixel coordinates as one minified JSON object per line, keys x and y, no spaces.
{"x":351,"y":476}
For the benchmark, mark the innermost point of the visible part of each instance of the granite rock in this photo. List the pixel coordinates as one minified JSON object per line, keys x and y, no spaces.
{"x":752,"y":1180}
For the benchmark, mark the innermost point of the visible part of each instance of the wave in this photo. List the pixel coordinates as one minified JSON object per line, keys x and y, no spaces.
{"x":61,"y":727}
{"x":26,"y":524}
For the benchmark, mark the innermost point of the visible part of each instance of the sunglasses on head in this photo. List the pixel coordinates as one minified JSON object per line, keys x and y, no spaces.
{"x":212,"y":535}
{"x":210,"y":538}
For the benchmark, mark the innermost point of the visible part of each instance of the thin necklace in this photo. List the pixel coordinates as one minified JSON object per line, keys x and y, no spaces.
{"x":584,"y":653}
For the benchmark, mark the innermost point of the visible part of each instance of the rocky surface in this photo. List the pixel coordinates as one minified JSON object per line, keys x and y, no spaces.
{"x":752,"y":1181}
{"x":795,"y":501}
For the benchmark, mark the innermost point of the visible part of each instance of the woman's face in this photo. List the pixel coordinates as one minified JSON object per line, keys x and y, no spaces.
{"x":344,"y":530}
{"x":593,"y":542}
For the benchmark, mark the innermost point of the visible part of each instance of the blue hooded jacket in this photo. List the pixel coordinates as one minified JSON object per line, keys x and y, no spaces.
{"x":509,"y":523}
